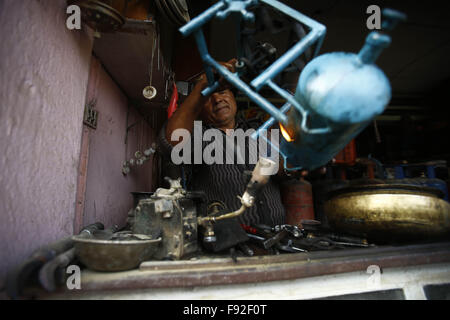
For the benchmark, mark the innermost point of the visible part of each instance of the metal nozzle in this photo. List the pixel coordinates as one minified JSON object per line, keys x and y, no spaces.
{"x":210,"y":236}
{"x":392,"y":18}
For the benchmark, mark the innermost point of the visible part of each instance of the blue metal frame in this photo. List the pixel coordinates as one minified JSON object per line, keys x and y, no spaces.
{"x":221,"y":10}
{"x":333,"y":117}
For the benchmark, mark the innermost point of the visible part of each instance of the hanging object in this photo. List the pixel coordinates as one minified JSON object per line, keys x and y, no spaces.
{"x":150,"y":91}
{"x":174,"y":11}
{"x":100,"y":16}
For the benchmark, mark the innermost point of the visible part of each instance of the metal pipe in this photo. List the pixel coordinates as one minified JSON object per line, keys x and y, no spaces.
{"x":284,"y":61}
{"x":203,"y":18}
{"x":203,"y":50}
{"x":317,"y":33}
{"x":270,"y":122}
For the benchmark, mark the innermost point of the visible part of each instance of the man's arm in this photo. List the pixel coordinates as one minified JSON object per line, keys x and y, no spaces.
{"x":190,"y":109}
{"x":187,"y":113}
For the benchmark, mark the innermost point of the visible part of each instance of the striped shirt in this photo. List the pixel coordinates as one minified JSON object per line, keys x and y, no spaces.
{"x":225,"y":182}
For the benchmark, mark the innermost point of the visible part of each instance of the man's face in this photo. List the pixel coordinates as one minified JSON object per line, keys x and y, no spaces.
{"x":220,"y":109}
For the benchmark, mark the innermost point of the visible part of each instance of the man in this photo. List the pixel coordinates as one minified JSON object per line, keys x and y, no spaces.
{"x":222,"y":182}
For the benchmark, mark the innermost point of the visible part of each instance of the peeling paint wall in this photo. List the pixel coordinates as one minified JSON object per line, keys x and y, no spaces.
{"x":44,"y":70}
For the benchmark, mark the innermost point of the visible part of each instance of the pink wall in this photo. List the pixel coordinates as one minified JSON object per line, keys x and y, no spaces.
{"x":107,"y":197}
{"x":44,"y":73}
{"x":46,"y":77}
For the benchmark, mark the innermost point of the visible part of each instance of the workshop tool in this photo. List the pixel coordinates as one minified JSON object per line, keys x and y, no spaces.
{"x":292,"y":239}
{"x":19,"y":277}
{"x":275,"y":246}
{"x":269,"y":243}
{"x":140,"y":159}
{"x":245,"y":249}
{"x":261,"y":174}
{"x":337,"y":96}
{"x":172,"y":215}
{"x":222,"y":234}
{"x":52,"y":273}
{"x":138,"y":196}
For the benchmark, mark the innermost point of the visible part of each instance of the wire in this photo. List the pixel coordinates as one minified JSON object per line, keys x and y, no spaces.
{"x":429,"y":52}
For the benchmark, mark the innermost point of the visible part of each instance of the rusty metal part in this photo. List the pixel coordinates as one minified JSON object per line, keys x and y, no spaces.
{"x":48,"y":273}
{"x":20,"y":276}
{"x":389,"y":212}
{"x":115,"y":253}
{"x":246,"y":249}
{"x":289,"y":247}
{"x":171,"y":214}
{"x":269,"y":243}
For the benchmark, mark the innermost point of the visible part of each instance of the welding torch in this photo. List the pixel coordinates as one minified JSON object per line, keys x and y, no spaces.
{"x":261,"y":174}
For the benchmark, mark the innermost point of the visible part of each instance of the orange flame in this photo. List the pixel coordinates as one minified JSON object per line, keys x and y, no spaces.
{"x":285,"y":134}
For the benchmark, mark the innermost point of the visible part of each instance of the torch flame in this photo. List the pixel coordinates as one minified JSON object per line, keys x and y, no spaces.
{"x":285,"y":134}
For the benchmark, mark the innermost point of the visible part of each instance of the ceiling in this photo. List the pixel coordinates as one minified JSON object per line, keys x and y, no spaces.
{"x":416,"y":63}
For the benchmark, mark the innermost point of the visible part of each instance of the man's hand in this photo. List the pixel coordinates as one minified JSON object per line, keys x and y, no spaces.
{"x":192,"y":106}
{"x":202,"y":82}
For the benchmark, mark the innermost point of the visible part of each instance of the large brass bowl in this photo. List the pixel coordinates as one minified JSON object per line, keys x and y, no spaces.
{"x":385,"y":212}
{"x":103,"y":252}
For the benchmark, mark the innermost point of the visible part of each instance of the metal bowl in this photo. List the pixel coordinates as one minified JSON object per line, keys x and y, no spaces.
{"x":118,"y":252}
{"x":384,"y":212}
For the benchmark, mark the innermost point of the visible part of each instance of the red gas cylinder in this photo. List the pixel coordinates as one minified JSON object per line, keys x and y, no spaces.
{"x":297,"y":198}
{"x":348,"y":155}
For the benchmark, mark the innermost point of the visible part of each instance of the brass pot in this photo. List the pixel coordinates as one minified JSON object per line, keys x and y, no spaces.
{"x":385,"y":212}
{"x":111,"y":253}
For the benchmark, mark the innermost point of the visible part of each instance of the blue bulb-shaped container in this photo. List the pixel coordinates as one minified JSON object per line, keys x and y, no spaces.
{"x":342,"y":92}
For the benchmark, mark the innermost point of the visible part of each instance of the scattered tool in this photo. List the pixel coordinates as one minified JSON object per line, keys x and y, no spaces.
{"x":292,"y":239}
